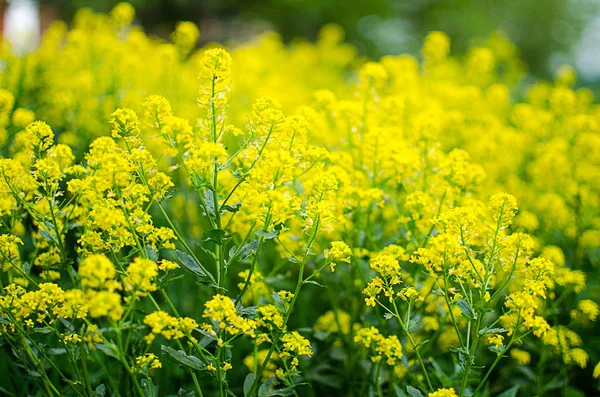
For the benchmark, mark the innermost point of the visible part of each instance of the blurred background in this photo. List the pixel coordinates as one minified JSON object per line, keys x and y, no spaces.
{"x":549,"y":33}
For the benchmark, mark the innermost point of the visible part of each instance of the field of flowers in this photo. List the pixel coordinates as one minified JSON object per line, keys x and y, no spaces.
{"x":263,"y":219}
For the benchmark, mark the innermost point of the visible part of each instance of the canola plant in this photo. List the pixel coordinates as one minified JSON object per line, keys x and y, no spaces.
{"x":269,"y":219}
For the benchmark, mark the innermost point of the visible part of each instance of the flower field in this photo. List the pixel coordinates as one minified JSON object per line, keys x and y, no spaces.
{"x":270,"y":219}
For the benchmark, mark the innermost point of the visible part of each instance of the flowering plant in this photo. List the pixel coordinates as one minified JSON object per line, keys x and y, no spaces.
{"x":350,"y":236}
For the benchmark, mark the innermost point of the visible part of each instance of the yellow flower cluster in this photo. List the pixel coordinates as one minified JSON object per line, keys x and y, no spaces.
{"x":161,"y":323}
{"x":221,"y":310}
{"x":384,"y":347}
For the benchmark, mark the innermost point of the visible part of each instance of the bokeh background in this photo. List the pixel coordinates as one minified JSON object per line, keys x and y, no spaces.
{"x":549,"y":33}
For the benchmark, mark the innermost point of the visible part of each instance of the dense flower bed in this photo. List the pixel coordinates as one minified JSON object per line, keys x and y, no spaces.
{"x":273,"y":220}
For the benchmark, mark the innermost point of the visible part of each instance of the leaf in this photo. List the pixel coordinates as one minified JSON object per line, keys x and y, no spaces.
{"x":414,"y":392}
{"x":56,"y":351}
{"x":26,"y":267}
{"x":286,"y":391}
{"x":265,"y":387}
{"x":247,"y":250}
{"x":110,"y":349}
{"x":192,"y":362}
{"x":388,"y":316}
{"x":466,"y":309}
{"x":183,"y":393}
{"x":233,"y":208}
{"x":48,"y":236}
{"x":321,"y":335}
{"x":267,"y":235}
{"x":190,"y":264}
{"x":571,"y":391}
{"x":485,"y":331}
{"x":43,"y":330}
{"x":512,"y":392}
{"x":248,"y":311}
{"x":149,"y":388}
{"x":209,"y":200}
{"x":34,"y":374}
{"x":328,"y":380}
{"x":248,"y":383}
{"x":278,"y":301}
{"x":216,"y":235}
{"x":152,"y":253}
{"x":244,"y":252}
{"x":100,"y":391}
{"x":527,"y":371}
{"x":313,"y":282}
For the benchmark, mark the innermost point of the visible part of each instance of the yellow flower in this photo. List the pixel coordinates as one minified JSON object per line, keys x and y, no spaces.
{"x":597,"y":371}
{"x":339,"y":252}
{"x":122,"y":14}
{"x":141,"y":274}
{"x":21,"y":117}
{"x":125,"y":123}
{"x":95,"y":271}
{"x":443,"y":393}
{"x":520,"y":356}
{"x":148,"y":360}
{"x":435,"y":48}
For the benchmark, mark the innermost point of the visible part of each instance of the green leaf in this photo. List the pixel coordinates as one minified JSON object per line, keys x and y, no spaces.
{"x":266,"y":390}
{"x":485,"y":331}
{"x":35,"y":374}
{"x":181,"y":357}
{"x":286,"y":391}
{"x":26,"y":267}
{"x":48,"y":236}
{"x":414,"y":392}
{"x":233,"y":208}
{"x":56,"y":351}
{"x":248,"y":383}
{"x":244,"y":252}
{"x":313,"y":282}
{"x":527,"y":371}
{"x":388,"y":316}
{"x":571,"y":391}
{"x":43,"y":330}
{"x":248,"y":311}
{"x":190,"y":264}
{"x":247,"y":250}
{"x":100,"y":391}
{"x":110,"y":349}
{"x":216,"y":235}
{"x":267,"y":235}
{"x":149,"y":388}
{"x":466,"y":309}
{"x":278,"y":301}
{"x":152,"y":253}
{"x":209,"y":200}
{"x":512,"y":392}
{"x":183,"y":393}
{"x":266,"y":387}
